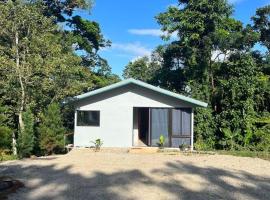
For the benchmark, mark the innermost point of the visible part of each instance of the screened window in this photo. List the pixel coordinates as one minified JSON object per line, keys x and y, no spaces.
{"x":181,"y":122}
{"x":88,"y":118}
{"x":159,"y":121}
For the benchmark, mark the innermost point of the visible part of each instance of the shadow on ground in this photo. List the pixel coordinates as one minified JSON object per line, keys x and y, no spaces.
{"x":52,"y":182}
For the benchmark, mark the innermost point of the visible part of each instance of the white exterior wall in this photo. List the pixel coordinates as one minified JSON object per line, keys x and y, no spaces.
{"x":116,"y":115}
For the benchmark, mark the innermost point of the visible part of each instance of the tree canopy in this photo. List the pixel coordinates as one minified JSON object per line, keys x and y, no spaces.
{"x":39,"y":63}
{"x":213,"y":59}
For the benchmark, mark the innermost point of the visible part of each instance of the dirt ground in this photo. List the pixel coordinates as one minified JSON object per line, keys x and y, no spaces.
{"x":84,"y":174}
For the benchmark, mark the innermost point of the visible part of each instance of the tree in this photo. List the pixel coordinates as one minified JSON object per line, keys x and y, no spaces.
{"x":39,"y":63}
{"x":144,"y":68}
{"x":51,"y":130}
{"x":262,"y":24}
{"x":36,"y":65}
{"x":84,"y":35}
{"x":61,"y":10}
{"x":207,"y":34}
{"x":212,"y":60}
{"x":137,"y":69}
{"x":25,"y":142}
{"x":237,"y":89}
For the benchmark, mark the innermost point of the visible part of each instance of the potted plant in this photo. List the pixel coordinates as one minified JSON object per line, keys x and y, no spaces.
{"x":97,"y":144}
{"x":161,"y":141}
{"x":184,"y":147}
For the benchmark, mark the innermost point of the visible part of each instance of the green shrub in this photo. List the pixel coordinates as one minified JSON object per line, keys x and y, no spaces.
{"x":202,"y":145}
{"x":25,"y":142}
{"x":5,"y":131}
{"x":51,"y":130}
{"x":262,"y":138}
{"x":6,"y":154}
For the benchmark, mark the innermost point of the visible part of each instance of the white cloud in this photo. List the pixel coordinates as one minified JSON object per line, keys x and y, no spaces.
{"x":134,"y":49}
{"x":151,"y":32}
{"x":235,"y":1}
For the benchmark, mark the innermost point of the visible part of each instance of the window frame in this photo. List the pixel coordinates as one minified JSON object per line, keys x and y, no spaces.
{"x":181,"y":135}
{"x":88,"y":125}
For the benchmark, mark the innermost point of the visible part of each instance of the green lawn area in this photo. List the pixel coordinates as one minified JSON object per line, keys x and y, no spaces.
{"x":5,"y":156}
{"x":254,"y":154}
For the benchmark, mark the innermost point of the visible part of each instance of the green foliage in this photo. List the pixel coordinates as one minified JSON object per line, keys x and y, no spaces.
{"x":39,"y":63}
{"x":213,"y":60}
{"x":61,"y":9}
{"x":262,"y":25}
{"x":205,"y":129}
{"x":51,"y":130}
{"x":6,"y":155}
{"x":230,"y":138}
{"x":161,"y":141}
{"x":254,"y":154}
{"x":97,"y":143}
{"x":5,"y":131}
{"x":137,"y":69}
{"x":262,"y":138}
{"x":25,"y":141}
{"x":143,"y":68}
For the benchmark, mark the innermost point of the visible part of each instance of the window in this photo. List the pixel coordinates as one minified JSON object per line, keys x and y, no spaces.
{"x":181,"y":122}
{"x":88,"y":118}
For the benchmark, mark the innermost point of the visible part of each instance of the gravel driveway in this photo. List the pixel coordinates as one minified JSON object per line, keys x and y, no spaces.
{"x":84,"y":174}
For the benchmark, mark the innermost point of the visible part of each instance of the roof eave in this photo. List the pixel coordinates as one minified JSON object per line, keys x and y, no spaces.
{"x":145,"y":85}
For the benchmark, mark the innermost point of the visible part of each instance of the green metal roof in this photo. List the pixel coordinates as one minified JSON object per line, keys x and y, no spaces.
{"x":144,"y":85}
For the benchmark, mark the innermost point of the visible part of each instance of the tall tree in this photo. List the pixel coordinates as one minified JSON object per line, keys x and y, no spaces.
{"x":207,"y":34}
{"x":37,"y":65}
{"x":210,"y":41}
{"x":26,"y":137}
{"x":137,"y":69}
{"x":20,"y":24}
{"x":51,"y":139}
{"x":144,"y":68}
{"x":84,"y":35}
{"x":262,"y":25}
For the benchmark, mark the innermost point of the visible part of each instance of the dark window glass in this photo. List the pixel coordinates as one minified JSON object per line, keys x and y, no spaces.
{"x":181,"y":122}
{"x":176,"y":122}
{"x":159,"y":125}
{"x":186,"y":122}
{"x":88,"y":118}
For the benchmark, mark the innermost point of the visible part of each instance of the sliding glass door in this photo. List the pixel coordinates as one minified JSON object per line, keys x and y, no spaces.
{"x":159,"y":125}
{"x":181,"y":127}
{"x":173,"y":124}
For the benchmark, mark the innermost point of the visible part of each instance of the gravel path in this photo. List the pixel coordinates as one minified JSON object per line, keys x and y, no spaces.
{"x":83,"y":174}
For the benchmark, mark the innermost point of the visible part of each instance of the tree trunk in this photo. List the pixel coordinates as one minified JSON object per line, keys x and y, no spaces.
{"x":14,"y":144}
{"x":22,"y":102}
{"x":212,"y":84}
{"x":21,"y":124}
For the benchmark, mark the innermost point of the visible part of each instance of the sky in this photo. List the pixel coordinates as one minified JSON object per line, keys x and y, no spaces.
{"x":131,"y":26}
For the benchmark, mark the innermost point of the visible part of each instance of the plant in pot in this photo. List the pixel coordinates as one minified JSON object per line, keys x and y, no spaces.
{"x":184,"y":147}
{"x":97,"y":144}
{"x":161,"y":141}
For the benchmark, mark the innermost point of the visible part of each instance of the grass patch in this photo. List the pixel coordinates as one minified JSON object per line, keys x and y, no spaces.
{"x":6,"y":155}
{"x":254,"y":154}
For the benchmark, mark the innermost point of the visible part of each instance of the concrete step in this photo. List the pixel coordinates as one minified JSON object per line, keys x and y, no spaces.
{"x":143,"y":150}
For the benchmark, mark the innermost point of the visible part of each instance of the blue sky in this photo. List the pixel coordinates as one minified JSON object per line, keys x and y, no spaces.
{"x":133,"y":30}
